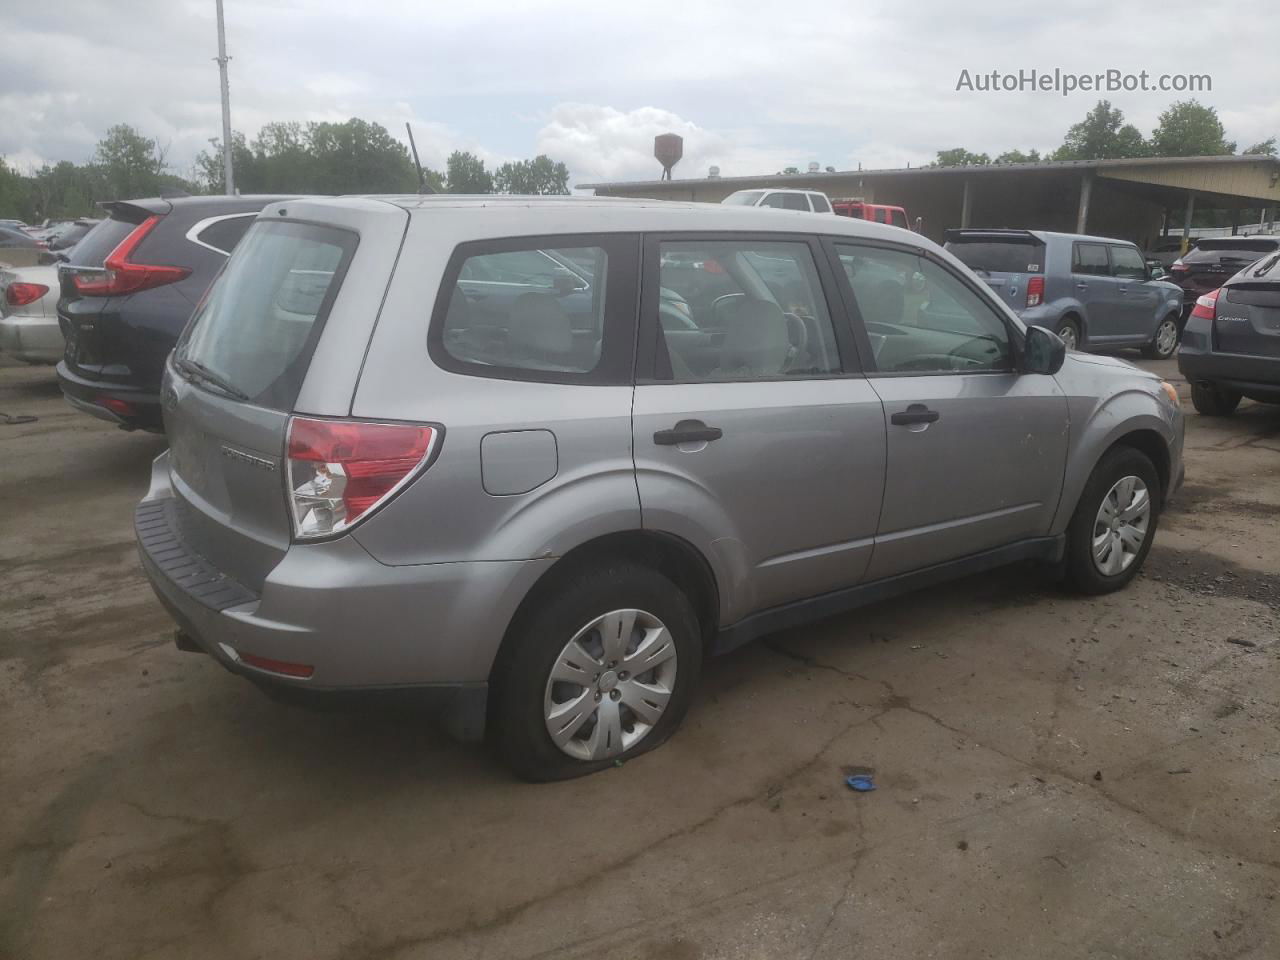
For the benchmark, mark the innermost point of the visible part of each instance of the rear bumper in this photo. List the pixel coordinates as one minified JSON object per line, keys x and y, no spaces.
{"x":131,"y":407}
{"x":31,"y":339}
{"x":357,"y":623}
{"x":1245,"y":374}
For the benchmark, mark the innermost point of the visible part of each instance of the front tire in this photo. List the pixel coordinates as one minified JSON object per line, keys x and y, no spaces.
{"x":601,"y":670}
{"x":1114,"y":523}
{"x":1211,"y":400}
{"x":1165,"y":341}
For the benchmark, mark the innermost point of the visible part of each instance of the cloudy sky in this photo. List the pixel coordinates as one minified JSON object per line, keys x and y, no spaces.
{"x":752,"y":87}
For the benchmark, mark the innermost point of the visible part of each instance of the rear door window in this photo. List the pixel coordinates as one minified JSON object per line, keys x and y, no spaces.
{"x":1090,"y":259}
{"x":767,"y":320}
{"x":256,"y":329}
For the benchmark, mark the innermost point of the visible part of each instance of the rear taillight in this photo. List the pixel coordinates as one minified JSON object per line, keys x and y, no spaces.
{"x":1206,"y":307}
{"x":121,"y":275}
{"x":20,"y":294}
{"x":1035,"y":291}
{"x":342,"y":470}
{"x":1178,"y":266}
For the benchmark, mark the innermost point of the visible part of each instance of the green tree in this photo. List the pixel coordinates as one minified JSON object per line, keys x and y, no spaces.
{"x":357,"y":157}
{"x":14,"y":194}
{"x":1265,"y":148}
{"x":465,"y":173}
{"x":960,"y":157}
{"x":541,"y":175}
{"x":209,"y":173}
{"x":129,"y":164}
{"x":1017,"y":156}
{"x":1102,"y":135}
{"x":1190,"y":129}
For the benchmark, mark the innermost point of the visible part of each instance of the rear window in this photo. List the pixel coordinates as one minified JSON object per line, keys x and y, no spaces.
{"x":96,"y":245}
{"x":1233,"y":248}
{"x":258,"y":326}
{"x":1015,"y":255}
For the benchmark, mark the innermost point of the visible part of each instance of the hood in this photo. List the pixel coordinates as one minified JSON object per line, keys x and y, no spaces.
{"x":1088,"y":362}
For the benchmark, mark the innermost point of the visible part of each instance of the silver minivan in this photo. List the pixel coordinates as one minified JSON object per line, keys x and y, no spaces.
{"x":538,"y":457}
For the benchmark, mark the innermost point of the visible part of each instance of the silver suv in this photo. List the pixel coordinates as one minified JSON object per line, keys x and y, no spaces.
{"x":540,"y":456}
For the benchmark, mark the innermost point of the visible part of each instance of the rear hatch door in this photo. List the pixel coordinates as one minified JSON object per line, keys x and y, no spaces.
{"x":1005,"y":260}
{"x":1248,"y":313}
{"x":295,"y":302}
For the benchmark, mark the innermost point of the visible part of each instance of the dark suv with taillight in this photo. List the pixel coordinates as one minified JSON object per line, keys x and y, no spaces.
{"x":127,"y":291}
{"x":1231,"y":346}
{"x":1207,"y":265}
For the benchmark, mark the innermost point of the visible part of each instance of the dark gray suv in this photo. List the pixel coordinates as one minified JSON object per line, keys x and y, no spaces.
{"x":1094,"y":292}
{"x":506,"y":452}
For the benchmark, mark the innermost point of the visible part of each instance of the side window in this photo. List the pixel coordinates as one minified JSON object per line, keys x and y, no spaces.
{"x":778,"y":200}
{"x":223,"y":235}
{"x":742,"y":310}
{"x":794,"y":201}
{"x":820,"y":204}
{"x":536,"y":309}
{"x":898,"y":219}
{"x":880,"y":215}
{"x":920,"y":318}
{"x":1090,"y":259}
{"x":1127,"y":262}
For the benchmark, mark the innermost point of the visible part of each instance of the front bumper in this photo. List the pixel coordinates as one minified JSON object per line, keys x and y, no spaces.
{"x":131,"y":407}
{"x":358,"y":623}
{"x":31,"y":339}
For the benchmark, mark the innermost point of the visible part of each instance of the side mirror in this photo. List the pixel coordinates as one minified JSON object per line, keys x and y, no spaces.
{"x":1043,"y":352}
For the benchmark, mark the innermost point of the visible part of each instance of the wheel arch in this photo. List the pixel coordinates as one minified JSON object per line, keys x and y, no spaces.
{"x":672,"y":556}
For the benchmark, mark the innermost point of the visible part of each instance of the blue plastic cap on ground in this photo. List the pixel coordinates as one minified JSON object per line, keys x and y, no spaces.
{"x":861,"y":783}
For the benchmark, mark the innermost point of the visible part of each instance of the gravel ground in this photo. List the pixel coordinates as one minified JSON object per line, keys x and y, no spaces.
{"x":1058,"y":777}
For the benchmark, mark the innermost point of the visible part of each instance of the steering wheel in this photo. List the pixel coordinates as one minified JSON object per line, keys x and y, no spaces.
{"x":797,"y":332}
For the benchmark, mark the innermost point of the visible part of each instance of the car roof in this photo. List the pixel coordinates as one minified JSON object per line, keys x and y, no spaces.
{"x":498,"y":215}
{"x":1042,"y":235}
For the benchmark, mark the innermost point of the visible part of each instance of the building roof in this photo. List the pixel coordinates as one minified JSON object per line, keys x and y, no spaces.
{"x":1045,"y":166}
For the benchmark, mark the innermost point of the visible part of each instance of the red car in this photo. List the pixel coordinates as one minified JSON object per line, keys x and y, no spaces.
{"x":876,"y":212}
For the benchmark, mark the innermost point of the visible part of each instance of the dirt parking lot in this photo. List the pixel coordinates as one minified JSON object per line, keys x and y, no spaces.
{"x":1058,"y":777}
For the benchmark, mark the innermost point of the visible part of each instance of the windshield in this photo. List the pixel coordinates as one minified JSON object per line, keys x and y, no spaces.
{"x":1015,"y":255}
{"x":255,"y":331}
{"x":744,"y":198}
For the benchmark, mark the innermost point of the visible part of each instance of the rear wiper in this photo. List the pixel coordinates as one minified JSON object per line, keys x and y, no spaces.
{"x":204,"y":373}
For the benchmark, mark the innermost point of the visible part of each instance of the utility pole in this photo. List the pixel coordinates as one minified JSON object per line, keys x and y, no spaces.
{"x":222,"y":59}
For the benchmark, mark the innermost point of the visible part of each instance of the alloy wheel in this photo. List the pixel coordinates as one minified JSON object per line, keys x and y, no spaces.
{"x":1121,"y":526}
{"x":610,"y":685}
{"x":1166,"y":337}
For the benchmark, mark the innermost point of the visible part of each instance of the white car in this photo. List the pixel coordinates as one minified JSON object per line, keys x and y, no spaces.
{"x":28,"y":316}
{"x":807,"y":201}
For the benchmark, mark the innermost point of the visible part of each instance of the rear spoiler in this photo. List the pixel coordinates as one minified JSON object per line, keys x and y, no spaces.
{"x":965,"y":233}
{"x":135,"y":211}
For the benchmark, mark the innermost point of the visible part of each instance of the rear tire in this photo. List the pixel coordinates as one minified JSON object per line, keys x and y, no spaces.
{"x":1165,"y":342}
{"x":618,"y":597}
{"x":1211,"y":400}
{"x":1069,"y":333}
{"x":1111,"y":530}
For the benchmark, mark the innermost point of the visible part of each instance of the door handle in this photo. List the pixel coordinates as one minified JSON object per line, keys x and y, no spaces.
{"x":916,"y":413}
{"x":1124,"y":289}
{"x":1082,"y":286}
{"x":687,"y":431}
